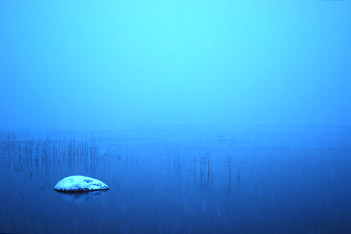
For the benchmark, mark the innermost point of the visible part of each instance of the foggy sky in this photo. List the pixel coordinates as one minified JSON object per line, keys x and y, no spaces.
{"x":80,"y":63}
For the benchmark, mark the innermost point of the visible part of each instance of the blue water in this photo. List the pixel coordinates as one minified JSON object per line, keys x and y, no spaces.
{"x":178,"y":180}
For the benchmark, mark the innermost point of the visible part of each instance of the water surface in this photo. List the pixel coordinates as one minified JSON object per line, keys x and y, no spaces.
{"x":178,"y":180}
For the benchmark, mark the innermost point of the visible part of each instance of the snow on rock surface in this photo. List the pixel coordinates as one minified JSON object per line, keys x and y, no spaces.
{"x":79,"y":183}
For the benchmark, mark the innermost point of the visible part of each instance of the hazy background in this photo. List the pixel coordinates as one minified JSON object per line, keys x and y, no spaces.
{"x":82,"y":63}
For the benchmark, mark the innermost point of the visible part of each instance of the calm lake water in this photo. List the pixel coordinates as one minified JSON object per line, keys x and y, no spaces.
{"x":178,"y":180}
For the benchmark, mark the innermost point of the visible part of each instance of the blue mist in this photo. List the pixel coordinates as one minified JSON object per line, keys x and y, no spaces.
{"x":202,"y":116}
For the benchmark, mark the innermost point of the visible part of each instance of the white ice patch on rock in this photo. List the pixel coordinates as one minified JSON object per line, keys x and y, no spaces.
{"x":80,"y":184}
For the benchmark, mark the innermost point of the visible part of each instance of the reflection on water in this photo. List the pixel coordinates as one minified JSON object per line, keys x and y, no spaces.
{"x":179,"y":180}
{"x":81,"y":197}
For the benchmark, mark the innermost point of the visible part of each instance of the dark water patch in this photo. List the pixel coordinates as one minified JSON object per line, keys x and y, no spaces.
{"x":187,"y":180}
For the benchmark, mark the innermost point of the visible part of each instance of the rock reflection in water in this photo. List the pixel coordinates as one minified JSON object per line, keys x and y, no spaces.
{"x":81,"y":196}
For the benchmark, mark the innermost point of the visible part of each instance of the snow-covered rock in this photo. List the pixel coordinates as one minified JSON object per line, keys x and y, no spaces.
{"x":79,"y":183}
